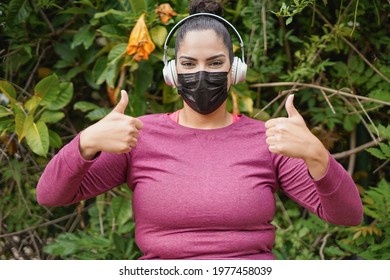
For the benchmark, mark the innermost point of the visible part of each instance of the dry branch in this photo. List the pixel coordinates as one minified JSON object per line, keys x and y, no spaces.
{"x":63,"y":218}
{"x":306,"y":85}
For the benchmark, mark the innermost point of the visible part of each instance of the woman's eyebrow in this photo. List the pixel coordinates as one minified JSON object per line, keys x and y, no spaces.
{"x":210,"y":58}
{"x":216,"y":56}
{"x":187,"y":57}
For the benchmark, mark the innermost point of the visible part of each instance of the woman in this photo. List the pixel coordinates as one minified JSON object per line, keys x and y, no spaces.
{"x":203,"y":179}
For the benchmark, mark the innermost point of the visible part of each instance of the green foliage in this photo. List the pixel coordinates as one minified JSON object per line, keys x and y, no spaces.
{"x":63,"y":64}
{"x":302,"y":235}
{"x":372,"y":241}
{"x":383,"y":152}
{"x":28,"y":120}
{"x":297,"y":7}
{"x":109,"y":234}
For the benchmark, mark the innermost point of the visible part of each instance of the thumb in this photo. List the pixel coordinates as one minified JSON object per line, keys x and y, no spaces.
{"x":291,"y":110}
{"x":122,"y":104}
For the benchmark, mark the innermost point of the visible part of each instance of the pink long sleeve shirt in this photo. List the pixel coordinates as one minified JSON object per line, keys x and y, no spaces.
{"x":202,"y":194}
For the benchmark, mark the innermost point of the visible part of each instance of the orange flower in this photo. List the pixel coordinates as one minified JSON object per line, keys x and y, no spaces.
{"x":140,"y":44}
{"x":165,"y":12}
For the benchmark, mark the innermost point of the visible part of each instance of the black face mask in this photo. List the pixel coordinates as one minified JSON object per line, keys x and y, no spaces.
{"x":203,"y":91}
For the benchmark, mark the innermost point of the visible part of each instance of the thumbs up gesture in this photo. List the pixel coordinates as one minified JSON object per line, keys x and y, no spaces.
{"x":115,"y":133}
{"x":291,"y":137}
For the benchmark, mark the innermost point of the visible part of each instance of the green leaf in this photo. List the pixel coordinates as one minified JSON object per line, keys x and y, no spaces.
{"x":73,"y":72}
{"x":245,"y":104}
{"x":115,"y":58}
{"x":48,"y":88}
{"x":18,"y":11}
{"x":8,"y":90}
{"x":68,"y":56}
{"x":112,"y":31}
{"x":376,"y":152}
{"x":110,"y":74}
{"x":159,"y":34}
{"x":98,"y":114}
{"x":85,"y":106}
{"x":121,"y":210}
{"x":380,"y":94}
{"x":37,"y":137}
{"x":84,"y":36}
{"x":74,"y":11}
{"x":65,"y":244}
{"x":368,"y":255}
{"x":110,"y":12}
{"x":384,"y":131}
{"x":295,"y":39}
{"x":138,"y":6}
{"x":32,"y":104}
{"x":117,"y":52}
{"x":99,"y":68}
{"x":242,"y":89}
{"x":341,"y":68}
{"x":63,"y":97}
{"x":170,"y":94}
{"x":22,"y":122}
{"x":264,"y":116}
{"x":385,"y":149}
{"x":20,"y":118}
{"x":119,"y":242}
{"x":55,"y":140}
{"x":87,"y":3}
{"x":144,"y":77}
{"x":350,"y":122}
{"x":346,"y":246}
{"x":4,"y":111}
{"x":51,"y":117}
{"x":289,"y":20}
{"x":334,"y":251}
{"x":138,"y":106}
{"x":252,"y":76}
{"x":356,"y":64}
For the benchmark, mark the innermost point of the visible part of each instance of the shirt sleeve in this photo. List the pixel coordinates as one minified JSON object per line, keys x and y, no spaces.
{"x":334,"y":197}
{"x":69,"y":178}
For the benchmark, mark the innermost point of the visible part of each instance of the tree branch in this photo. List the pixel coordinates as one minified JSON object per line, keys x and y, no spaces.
{"x":355,"y":50}
{"x":352,"y":158}
{"x":264,"y":21}
{"x":43,"y":224}
{"x":355,"y":150}
{"x":340,"y":92}
{"x":324,"y":240}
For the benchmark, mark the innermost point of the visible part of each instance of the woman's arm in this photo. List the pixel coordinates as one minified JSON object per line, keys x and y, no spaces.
{"x":95,"y":161}
{"x":333,"y":197}
{"x":308,"y":174}
{"x":69,"y":178}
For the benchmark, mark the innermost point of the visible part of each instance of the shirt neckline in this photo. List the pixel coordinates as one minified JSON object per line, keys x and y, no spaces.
{"x":231,"y":126}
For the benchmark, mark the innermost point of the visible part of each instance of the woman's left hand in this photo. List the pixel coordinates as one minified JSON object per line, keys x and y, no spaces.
{"x":292,"y":138}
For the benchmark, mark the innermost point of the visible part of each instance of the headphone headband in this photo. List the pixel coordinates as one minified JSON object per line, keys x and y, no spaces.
{"x":221,"y":19}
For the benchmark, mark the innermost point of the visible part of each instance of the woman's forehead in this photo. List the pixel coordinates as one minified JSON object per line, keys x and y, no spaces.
{"x":202,"y":41}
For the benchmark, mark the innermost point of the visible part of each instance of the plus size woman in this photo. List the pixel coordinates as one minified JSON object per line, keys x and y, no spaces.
{"x":203,"y":179}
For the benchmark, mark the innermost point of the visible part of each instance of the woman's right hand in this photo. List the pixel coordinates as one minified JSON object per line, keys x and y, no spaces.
{"x":115,"y":133}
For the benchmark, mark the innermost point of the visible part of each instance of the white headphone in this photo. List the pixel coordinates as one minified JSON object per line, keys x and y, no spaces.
{"x":239,"y":66}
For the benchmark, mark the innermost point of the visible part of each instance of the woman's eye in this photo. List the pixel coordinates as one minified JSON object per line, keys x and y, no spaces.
{"x":187,"y":64}
{"x":216,"y":63}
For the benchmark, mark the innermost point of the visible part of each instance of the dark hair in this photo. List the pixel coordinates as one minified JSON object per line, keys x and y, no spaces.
{"x":205,"y":23}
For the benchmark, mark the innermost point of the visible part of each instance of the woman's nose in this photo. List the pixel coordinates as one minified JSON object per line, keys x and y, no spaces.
{"x":202,"y":67}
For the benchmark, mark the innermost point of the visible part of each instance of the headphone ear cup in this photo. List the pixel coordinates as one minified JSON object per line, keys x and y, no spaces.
{"x":169,"y":73}
{"x":239,"y":69}
{"x":234,"y":70}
